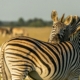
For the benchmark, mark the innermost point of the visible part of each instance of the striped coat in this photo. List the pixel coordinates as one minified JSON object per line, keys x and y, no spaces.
{"x":40,"y":60}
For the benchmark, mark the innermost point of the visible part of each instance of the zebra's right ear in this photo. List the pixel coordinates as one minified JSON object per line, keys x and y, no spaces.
{"x":75,"y":18}
{"x":68,"y":20}
{"x":54,"y":16}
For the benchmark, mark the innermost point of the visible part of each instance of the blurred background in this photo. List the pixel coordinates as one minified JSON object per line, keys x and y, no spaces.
{"x":32,"y":18}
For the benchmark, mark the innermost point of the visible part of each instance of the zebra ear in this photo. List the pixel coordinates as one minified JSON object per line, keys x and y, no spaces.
{"x":54,"y":16}
{"x":76,"y":17}
{"x":74,"y":20}
{"x":68,"y":20}
{"x":62,"y":18}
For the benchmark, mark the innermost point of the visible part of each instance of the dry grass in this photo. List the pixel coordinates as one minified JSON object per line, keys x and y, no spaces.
{"x":38,"y":33}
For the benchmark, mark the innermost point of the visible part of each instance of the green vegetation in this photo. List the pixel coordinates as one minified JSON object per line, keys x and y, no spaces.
{"x":31,"y":22}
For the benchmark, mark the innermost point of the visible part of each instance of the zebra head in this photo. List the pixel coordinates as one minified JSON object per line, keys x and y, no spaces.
{"x":58,"y":24}
{"x":66,"y":32}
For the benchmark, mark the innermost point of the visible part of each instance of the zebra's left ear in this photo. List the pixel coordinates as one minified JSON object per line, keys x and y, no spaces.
{"x":68,"y":20}
{"x":62,"y":18}
{"x":54,"y":16}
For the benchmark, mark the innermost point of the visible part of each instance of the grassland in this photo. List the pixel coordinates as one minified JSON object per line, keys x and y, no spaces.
{"x":38,"y":33}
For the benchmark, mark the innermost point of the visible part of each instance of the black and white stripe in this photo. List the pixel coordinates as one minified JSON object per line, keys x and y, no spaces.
{"x":27,"y":56}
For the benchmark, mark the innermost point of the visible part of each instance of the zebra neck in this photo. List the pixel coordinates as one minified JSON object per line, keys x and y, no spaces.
{"x":52,"y":34}
{"x":75,"y":40}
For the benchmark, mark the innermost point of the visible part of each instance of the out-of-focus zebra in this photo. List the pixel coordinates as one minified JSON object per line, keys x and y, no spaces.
{"x":41,"y":60}
{"x":18,"y":32}
{"x":58,"y":24}
{"x":4,"y":32}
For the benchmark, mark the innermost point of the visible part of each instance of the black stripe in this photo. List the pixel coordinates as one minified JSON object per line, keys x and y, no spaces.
{"x":32,"y":51}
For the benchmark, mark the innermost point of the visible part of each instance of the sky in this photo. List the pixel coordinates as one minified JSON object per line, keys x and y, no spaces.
{"x":12,"y":10}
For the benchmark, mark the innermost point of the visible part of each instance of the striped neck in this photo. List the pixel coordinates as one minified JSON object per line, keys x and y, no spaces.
{"x":52,"y":34}
{"x":75,"y":40}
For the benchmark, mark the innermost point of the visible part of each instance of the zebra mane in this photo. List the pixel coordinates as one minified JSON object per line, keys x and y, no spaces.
{"x":68,"y":30}
{"x":77,"y":30}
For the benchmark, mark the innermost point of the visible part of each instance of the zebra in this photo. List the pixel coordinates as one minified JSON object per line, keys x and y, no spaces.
{"x":3,"y":32}
{"x":41,"y":60}
{"x":18,"y":32}
{"x":15,"y":30}
{"x":58,"y":24}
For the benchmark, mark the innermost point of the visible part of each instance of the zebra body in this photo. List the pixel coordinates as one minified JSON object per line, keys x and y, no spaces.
{"x":27,"y":56}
